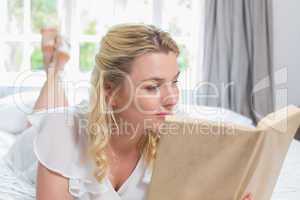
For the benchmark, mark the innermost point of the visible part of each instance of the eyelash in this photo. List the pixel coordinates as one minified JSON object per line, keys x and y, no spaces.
{"x":152,"y":88}
{"x":175,"y":82}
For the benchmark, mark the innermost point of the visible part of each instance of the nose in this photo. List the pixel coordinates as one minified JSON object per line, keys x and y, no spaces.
{"x":170,"y":97}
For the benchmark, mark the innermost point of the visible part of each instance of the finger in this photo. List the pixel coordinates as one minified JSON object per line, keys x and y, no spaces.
{"x":247,"y":197}
{"x":250,"y":196}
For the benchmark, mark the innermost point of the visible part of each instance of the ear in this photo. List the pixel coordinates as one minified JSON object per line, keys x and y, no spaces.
{"x":109,"y":94}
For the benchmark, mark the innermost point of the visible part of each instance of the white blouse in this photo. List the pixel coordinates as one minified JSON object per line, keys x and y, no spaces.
{"x":57,"y":139}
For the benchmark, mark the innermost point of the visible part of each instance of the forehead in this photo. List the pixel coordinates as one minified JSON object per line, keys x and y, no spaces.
{"x":161,"y":65}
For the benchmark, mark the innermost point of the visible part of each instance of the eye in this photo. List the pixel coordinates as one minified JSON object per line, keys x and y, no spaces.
{"x":152,"y":88}
{"x":175,"y":82}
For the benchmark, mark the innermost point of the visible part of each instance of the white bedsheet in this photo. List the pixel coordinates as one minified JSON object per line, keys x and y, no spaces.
{"x":6,"y":140}
{"x":288,"y":184}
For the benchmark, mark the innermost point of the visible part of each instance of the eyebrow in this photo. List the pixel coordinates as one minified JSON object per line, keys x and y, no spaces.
{"x":158,"y":78}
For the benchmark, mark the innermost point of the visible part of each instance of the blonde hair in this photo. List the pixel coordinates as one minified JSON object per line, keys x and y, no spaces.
{"x":118,"y":49}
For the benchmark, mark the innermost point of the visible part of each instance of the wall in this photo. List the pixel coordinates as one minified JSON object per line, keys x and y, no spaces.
{"x":287,"y":45}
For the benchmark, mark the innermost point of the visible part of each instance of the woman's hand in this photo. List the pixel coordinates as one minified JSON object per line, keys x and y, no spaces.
{"x":248,"y":197}
{"x":55,"y":49}
{"x":48,"y":45}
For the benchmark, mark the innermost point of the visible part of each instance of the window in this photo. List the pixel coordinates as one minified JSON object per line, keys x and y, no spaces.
{"x":184,"y":20}
{"x":84,"y":23}
{"x":20,"y":38}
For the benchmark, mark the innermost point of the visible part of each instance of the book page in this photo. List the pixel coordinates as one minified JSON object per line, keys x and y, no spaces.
{"x":199,"y":159}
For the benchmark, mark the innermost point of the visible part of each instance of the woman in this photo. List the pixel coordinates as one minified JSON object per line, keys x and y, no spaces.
{"x":107,"y":150}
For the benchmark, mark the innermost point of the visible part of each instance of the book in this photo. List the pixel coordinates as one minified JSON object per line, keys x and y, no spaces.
{"x":209,"y":160}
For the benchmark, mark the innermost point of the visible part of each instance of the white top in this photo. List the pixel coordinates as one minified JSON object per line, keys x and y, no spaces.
{"x":60,"y":144}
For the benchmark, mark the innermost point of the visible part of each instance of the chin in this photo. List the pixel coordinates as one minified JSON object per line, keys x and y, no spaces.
{"x":153,"y":123}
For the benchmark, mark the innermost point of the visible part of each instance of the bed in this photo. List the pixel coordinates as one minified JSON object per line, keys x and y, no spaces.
{"x":6,"y":140}
{"x":13,"y":121}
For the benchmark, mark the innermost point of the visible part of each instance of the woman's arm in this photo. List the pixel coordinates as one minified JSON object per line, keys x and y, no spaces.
{"x":51,"y":186}
{"x":52,"y":94}
{"x":55,"y":57}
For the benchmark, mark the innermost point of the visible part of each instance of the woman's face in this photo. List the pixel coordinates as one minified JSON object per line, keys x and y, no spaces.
{"x":148,"y":93}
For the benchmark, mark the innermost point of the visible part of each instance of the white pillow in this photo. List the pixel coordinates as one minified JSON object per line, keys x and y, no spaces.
{"x":216,"y":114}
{"x":14,"y":108}
{"x":13,"y":111}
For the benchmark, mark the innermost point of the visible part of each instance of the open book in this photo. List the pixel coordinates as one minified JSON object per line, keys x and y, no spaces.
{"x":205,"y":160}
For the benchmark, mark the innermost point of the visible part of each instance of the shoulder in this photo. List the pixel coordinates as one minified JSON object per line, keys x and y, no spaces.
{"x":61,"y":143}
{"x":61,"y":118}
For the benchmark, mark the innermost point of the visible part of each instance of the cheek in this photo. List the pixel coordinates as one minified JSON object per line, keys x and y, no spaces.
{"x":138,"y":107}
{"x":176,"y":94}
{"x":146,"y":103}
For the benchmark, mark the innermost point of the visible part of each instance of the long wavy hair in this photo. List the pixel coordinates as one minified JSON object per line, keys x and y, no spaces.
{"x":118,"y":49}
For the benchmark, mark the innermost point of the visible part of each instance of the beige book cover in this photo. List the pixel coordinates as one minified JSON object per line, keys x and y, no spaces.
{"x":205,"y":160}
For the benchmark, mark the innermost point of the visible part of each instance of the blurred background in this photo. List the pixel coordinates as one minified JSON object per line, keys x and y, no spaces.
{"x":84,"y":23}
